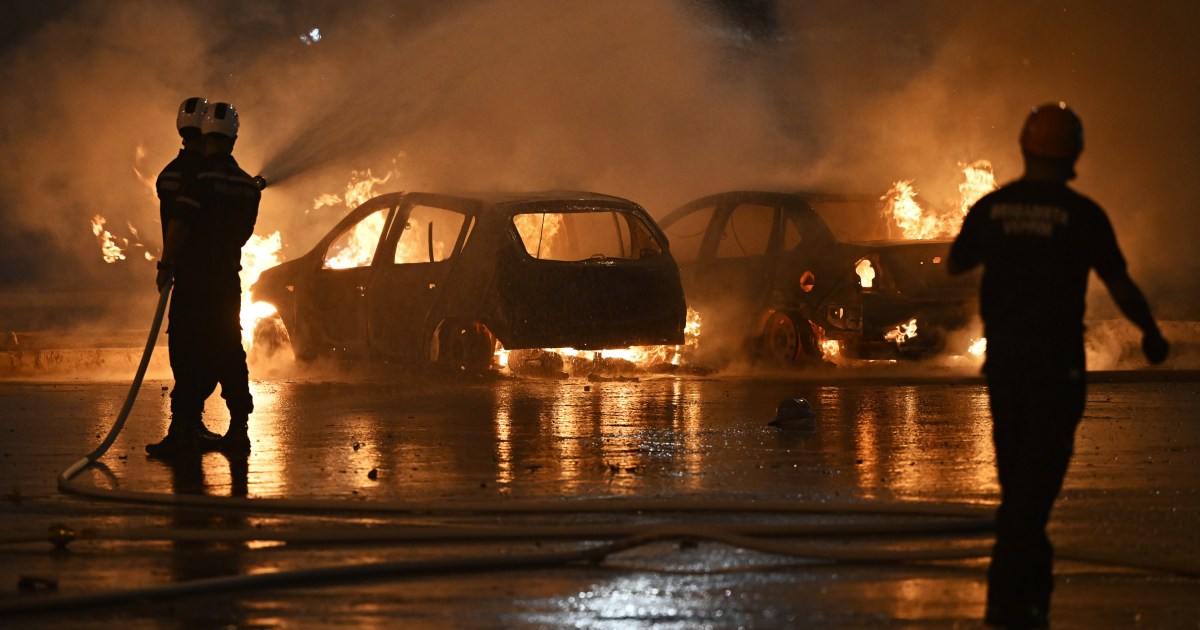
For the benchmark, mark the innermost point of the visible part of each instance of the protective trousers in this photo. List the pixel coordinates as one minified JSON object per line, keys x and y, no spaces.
{"x":1034,"y":421}
{"x":205,"y":346}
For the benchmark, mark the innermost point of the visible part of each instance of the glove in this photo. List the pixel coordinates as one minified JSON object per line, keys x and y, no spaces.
{"x":1155,"y":347}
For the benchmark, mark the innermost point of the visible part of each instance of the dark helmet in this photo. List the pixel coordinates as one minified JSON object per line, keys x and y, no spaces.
{"x":1052,"y":131}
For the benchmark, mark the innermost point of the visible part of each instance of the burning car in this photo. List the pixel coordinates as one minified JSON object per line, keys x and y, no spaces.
{"x":425,"y":278}
{"x":769,"y":265}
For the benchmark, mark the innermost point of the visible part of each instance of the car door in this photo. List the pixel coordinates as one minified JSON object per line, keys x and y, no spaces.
{"x":410,"y":277}
{"x":591,"y":278}
{"x":332,"y":302}
{"x":738,"y":259}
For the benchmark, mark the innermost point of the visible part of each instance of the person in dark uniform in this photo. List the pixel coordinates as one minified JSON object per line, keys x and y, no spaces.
{"x":211,"y":220}
{"x":1037,"y":241}
{"x":181,"y":172}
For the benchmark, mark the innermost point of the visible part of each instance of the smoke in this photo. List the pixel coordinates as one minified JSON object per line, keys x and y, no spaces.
{"x":660,"y":102}
{"x":911,"y":91}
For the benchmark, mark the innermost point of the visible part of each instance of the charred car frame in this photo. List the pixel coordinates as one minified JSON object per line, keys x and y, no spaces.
{"x":426,"y":278}
{"x":768,"y":264}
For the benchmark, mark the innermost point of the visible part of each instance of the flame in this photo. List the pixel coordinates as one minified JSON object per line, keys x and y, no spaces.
{"x":539,"y":232}
{"x":978,"y":346}
{"x":640,"y":356}
{"x":139,"y":155}
{"x":361,"y":246}
{"x":915,"y":222}
{"x":903,"y":332}
{"x":866,"y":273}
{"x":360,"y":189}
{"x":108,"y":246}
{"x":259,"y":254}
{"x":978,"y":181}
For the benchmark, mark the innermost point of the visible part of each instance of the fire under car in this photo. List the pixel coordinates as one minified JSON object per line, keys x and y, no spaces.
{"x":768,"y":266}
{"x":439,"y":279}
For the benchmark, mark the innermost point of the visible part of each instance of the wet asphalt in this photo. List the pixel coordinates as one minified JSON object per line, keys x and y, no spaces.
{"x":489,"y":503}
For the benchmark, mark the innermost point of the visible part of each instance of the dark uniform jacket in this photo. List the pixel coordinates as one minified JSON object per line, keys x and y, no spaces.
{"x":174,"y":178}
{"x":220,"y":209}
{"x":1037,"y":242}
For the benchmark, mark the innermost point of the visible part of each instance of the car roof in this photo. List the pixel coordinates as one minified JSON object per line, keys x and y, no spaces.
{"x":509,"y":198}
{"x":806,"y":195}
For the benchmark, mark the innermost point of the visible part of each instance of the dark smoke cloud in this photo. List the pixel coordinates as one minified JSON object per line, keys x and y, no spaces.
{"x":656,"y":101}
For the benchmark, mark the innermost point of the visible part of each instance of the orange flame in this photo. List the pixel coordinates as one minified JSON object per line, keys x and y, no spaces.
{"x":108,"y":246}
{"x":903,"y":332}
{"x":259,"y":254}
{"x":915,"y":222}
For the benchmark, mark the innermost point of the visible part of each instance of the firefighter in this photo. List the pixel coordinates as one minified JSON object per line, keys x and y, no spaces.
{"x":181,"y":171}
{"x":211,"y":220}
{"x":1037,"y":240}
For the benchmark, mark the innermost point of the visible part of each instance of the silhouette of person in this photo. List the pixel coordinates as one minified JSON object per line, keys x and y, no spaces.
{"x":1037,"y":240}
{"x":209,"y":223}
{"x":180,"y":172}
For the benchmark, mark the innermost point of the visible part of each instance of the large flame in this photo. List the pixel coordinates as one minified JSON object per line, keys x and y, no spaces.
{"x":917,"y":222}
{"x":258,"y":254}
{"x":539,"y":232}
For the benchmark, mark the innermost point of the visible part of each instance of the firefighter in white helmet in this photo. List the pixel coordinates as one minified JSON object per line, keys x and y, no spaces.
{"x":208,"y":225}
{"x":181,"y":171}
{"x":1037,"y":240}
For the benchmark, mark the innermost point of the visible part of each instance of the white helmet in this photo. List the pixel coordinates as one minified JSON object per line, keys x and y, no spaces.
{"x":191,"y":113}
{"x":221,"y":118}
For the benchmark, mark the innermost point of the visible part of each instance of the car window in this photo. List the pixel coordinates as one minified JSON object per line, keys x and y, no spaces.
{"x":747,"y":232}
{"x":687,"y":233}
{"x":356,"y":246}
{"x":792,"y":235}
{"x":429,"y":235}
{"x":593,"y":234}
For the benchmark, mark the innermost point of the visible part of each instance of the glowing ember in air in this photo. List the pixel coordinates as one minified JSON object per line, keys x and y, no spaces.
{"x":108,"y":246}
{"x":259,"y":254}
{"x":978,"y":346}
{"x":903,"y":332}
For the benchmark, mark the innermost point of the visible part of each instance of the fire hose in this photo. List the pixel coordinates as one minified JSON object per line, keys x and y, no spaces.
{"x":926,"y":519}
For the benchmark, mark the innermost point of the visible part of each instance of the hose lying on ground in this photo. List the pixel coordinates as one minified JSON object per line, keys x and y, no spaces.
{"x":64,"y":478}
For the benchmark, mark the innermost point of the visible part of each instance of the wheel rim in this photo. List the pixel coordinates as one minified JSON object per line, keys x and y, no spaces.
{"x":781,"y":338}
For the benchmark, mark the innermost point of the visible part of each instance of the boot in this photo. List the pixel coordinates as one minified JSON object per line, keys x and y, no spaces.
{"x":205,"y":434}
{"x":236,"y":440}
{"x":179,"y":442}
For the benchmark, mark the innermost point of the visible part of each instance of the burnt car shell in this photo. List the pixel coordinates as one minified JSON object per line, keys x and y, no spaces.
{"x":481,"y":279}
{"x":765,"y":257}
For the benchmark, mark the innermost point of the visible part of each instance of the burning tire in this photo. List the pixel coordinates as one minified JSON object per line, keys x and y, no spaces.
{"x":463,"y":347}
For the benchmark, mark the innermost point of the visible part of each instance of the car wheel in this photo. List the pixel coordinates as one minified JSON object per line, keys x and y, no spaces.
{"x":464,"y":347}
{"x":785,"y":340}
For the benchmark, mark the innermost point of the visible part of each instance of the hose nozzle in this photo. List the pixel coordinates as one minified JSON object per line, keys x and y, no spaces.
{"x":260,"y":182}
